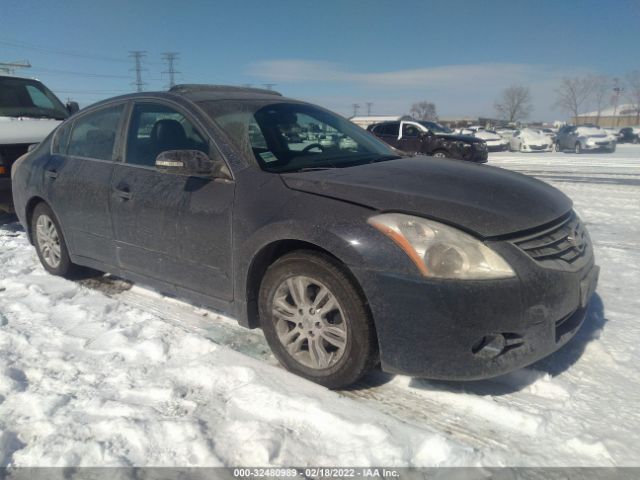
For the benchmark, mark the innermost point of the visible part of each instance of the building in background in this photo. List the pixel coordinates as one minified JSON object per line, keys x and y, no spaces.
{"x":365,"y":120}
{"x":626,"y":115}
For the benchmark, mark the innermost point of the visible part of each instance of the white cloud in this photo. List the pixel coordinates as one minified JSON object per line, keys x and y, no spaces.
{"x":457,"y":89}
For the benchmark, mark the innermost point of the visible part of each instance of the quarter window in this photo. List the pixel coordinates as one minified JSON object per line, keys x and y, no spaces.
{"x":391,"y":129}
{"x":94,"y":134}
{"x":61,"y":140}
{"x":157,"y":128}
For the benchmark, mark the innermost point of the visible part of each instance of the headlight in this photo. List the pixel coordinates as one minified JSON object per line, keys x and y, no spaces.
{"x":440,"y":251}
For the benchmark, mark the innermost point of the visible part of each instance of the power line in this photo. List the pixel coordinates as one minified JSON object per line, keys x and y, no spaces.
{"x":170,"y":58}
{"x":138,"y":56}
{"x":11,"y":67}
{"x":69,"y":53}
{"x":52,"y":71}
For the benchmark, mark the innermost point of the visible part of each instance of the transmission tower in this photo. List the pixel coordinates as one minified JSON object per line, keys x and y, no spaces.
{"x":369,"y":105}
{"x":138,"y":56}
{"x":170,"y":58}
{"x":356,"y":107}
{"x":11,"y":67}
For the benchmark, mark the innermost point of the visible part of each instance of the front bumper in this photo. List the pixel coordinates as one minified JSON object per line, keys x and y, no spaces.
{"x":439,"y":328}
{"x":598,"y":147}
{"x":537,"y":148}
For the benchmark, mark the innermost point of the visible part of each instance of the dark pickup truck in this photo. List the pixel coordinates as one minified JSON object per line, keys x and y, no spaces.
{"x":430,"y":138}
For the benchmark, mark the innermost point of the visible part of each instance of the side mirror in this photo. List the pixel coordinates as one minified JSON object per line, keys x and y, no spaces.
{"x":32,"y":147}
{"x":73,"y":107}
{"x":192,"y":163}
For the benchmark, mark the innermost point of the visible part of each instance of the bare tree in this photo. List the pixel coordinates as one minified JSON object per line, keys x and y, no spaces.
{"x":600,"y":86}
{"x":633,"y":92}
{"x":514,"y":103}
{"x":424,"y":111}
{"x":572,"y":94}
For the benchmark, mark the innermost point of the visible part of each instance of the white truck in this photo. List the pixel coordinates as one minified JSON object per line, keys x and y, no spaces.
{"x":29,"y":111}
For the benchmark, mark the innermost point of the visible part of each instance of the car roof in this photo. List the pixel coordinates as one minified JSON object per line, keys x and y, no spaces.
{"x":201,"y":93}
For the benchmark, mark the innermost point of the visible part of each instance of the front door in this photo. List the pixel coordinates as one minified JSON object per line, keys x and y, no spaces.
{"x":173,"y":228}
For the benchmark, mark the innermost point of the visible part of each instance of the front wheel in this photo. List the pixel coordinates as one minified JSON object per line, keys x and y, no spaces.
{"x":578,"y":148}
{"x":440,"y":154}
{"x":316,"y":321}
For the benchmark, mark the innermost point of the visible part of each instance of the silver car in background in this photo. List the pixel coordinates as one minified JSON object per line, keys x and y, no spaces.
{"x":584,"y":139}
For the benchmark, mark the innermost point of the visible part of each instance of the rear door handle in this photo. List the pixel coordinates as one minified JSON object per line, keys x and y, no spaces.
{"x":123,"y":193}
{"x":52,"y":173}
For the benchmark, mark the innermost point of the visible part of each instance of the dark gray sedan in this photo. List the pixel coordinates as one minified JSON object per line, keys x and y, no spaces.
{"x":346,"y":254}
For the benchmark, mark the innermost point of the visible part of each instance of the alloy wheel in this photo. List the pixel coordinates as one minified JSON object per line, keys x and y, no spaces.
{"x":309,"y":322}
{"x":48,"y":240}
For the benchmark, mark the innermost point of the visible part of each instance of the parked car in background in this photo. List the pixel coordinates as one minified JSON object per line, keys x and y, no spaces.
{"x":495,"y":142}
{"x":530,"y":140}
{"x":584,"y":139}
{"x":614,"y":132}
{"x":29,"y":111}
{"x":347,"y":259}
{"x":629,"y":135}
{"x":430,"y":138}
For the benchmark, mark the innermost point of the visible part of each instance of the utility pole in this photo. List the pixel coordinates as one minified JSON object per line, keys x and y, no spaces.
{"x":617,"y":90}
{"x":369,"y":105}
{"x":137,"y":56}
{"x":269,"y":86}
{"x":170,"y":58}
{"x":10,"y":67}
{"x":355,"y":106}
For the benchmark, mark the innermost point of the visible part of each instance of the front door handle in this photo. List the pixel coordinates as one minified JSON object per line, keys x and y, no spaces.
{"x":123,"y":193}
{"x":51,"y":173}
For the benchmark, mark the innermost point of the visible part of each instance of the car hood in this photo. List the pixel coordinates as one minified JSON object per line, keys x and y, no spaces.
{"x":534,"y":137}
{"x":487,"y":201}
{"x":15,"y":130}
{"x":487,"y":136}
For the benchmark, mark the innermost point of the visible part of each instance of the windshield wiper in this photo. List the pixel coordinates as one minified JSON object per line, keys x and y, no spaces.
{"x":384,"y":158}
{"x":314,"y":169}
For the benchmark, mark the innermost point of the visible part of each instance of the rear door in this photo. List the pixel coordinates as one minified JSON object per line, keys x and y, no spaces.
{"x":78,"y":176}
{"x":389,"y":133}
{"x":170,"y":227}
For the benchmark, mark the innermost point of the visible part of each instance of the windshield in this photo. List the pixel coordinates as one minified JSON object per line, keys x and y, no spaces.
{"x":20,"y":97}
{"x":286,"y":137}
{"x":436,"y":127}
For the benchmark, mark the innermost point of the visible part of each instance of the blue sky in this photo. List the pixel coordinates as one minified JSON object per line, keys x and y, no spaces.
{"x":458,"y":54}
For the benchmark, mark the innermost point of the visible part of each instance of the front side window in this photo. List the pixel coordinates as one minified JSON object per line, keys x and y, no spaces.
{"x":157,"y":128}
{"x":285,"y":137}
{"x":409,"y":130}
{"x":21,"y":97}
{"x":94,"y":134}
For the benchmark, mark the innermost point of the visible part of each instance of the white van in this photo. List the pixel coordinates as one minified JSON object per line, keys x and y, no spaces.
{"x":29,"y":111}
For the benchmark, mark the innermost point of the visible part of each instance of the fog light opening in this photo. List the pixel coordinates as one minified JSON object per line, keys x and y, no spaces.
{"x":489,"y":346}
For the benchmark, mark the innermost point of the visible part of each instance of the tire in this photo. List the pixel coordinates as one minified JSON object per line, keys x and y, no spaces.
{"x":440,"y":154}
{"x":636,"y":139}
{"x":50,"y":243}
{"x":578,"y":148}
{"x":556,"y":147}
{"x":334,"y":347}
{"x":520,"y":149}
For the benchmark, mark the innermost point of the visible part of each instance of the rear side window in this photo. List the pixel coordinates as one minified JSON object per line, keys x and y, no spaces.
{"x":94,"y":134}
{"x":157,"y":128}
{"x":391,"y":129}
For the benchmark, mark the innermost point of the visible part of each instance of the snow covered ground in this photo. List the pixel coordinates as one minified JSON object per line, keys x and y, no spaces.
{"x":98,"y":372}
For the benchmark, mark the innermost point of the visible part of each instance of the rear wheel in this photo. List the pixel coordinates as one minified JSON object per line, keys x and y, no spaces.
{"x":50,"y":243}
{"x":440,"y":154}
{"x":316,"y":321}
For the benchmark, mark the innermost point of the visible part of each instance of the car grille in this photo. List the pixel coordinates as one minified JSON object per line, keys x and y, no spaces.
{"x":564,"y":243}
{"x":538,"y":147}
{"x":602,"y":143}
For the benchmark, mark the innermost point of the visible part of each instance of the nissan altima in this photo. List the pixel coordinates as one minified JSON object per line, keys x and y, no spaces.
{"x":346,"y":254}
